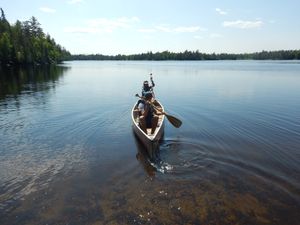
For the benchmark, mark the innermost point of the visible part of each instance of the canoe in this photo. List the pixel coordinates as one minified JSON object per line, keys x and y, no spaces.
{"x":150,"y":141}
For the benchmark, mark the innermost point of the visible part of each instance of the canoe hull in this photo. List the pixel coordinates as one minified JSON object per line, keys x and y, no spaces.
{"x":150,"y":142}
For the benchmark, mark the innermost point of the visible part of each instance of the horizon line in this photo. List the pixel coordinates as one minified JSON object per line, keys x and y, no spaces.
{"x":193,"y":51}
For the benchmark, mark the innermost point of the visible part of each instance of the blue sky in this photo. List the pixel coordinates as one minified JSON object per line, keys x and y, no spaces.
{"x":134,"y":26}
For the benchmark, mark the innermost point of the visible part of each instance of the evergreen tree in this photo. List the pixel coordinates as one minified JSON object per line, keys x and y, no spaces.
{"x":5,"y":48}
{"x":26,"y":43}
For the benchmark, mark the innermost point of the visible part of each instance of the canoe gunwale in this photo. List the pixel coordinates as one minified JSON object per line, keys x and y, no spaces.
{"x":150,"y":141}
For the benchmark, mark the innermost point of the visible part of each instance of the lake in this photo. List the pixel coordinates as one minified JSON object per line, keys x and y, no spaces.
{"x":68,"y":154}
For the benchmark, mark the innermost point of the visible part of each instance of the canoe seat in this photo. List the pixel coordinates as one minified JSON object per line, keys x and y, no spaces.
{"x":149,"y":131}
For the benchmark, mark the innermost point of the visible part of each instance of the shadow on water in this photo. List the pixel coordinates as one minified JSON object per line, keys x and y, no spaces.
{"x":155,"y":163}
{"x":143,"y":157}
{"x":25,"y":80}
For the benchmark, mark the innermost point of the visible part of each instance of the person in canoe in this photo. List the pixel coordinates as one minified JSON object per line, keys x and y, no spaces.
{"x":148,"y":115}
{"x":146,"y":87}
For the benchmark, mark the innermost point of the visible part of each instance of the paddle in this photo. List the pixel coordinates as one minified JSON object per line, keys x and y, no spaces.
{"x":152,"y":85}
{"x":172,"y":119}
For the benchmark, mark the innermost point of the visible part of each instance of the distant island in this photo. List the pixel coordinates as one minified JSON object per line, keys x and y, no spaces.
{"x":25,"y":43}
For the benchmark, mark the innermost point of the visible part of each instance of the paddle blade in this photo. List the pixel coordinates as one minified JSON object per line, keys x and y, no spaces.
{"x":174,"y":121}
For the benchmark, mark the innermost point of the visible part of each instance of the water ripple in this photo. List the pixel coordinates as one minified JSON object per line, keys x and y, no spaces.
{"x":28,"y":172}
{"x":192,"y":159}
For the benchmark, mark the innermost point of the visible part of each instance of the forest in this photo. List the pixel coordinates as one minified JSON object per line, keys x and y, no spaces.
{"x":196,"y":55}
{"x":25,"y":43}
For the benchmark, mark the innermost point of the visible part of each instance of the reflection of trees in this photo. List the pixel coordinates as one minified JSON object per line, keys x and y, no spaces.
{"x":22,"y":80}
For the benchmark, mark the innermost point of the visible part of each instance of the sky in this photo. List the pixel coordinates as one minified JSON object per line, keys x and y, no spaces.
{"x":112,"y":27}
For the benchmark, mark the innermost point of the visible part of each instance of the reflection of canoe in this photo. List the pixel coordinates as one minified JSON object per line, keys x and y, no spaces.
{"x":150,"y":141}
{"x":143,"y":157}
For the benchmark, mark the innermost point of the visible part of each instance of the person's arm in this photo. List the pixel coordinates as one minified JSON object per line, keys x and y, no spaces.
{"x":158,"y":112}
{"x":152,"y":82}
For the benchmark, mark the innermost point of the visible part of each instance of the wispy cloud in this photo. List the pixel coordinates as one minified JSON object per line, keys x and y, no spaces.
{"x":75,"y":1}
{"x":220,"y":11}
{"x":47,"y":10}
{"x":215,"y":35}
{"x":104,"y":25}
{"x":186,"y":29}
{"x":82,"y":30}
{"x":163,"y":28}
{"x":242,"y":24}
{"x":198,"y":37}
{"x":147,"y":30}
{"x":181,"y":29}
{"x":108,"y":25}
{"x":122,"y":22}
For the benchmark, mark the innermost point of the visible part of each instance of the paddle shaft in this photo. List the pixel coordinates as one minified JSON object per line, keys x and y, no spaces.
{"x":152,"y":85}
{"x":173,"y":120}
{"x":150,"y":104}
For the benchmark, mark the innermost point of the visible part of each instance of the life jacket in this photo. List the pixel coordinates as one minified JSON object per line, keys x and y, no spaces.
{"x":146,"y":89}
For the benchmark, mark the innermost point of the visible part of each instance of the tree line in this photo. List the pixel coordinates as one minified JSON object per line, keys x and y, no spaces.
{"x":26,"y":43}
{"x":196,"y":55}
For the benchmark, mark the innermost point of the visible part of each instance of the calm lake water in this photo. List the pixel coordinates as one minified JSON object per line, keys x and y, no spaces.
{"x":68,"y":154}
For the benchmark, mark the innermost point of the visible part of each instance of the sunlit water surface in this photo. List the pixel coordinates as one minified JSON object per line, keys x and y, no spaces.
{"x":68,"y":154}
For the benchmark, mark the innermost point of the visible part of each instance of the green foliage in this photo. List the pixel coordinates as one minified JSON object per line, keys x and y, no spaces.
{"x":196,"y":55}
{"x":26,"y":43}
{"x":5,"y":47}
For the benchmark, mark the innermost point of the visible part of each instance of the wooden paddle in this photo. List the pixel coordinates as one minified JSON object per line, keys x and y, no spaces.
{"x":172,"y":119}
{"x":152,"y":83}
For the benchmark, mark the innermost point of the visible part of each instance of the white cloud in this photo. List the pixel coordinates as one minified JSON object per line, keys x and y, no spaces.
{"x":182,"y":29}
{"x":241,"y":24}
{"x":104,"y":25}
{"x":186,"y":29}
{"x":164,"y":28}
{"x":220,"y":11}
{"x":122,"y":22}
{"x":108,"y":25}
{"x":148,"y":37}
{"x":47,"y":10}
{"x":75,"y":1}
{"x":198,"y":37}
{"x":84,"y":30}
{"x":147,"y":30}
{"x":215,"y":35}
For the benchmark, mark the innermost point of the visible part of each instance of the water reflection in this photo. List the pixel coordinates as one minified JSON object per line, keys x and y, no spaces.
{"x":156,"y":163}
{"x":15,"y":81}
{"x":26,"y":152}
{"x":67,"y":153}
{"x":143,"y":157}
